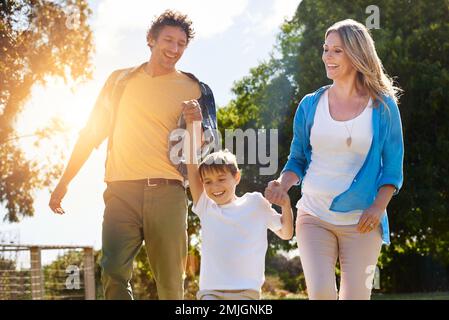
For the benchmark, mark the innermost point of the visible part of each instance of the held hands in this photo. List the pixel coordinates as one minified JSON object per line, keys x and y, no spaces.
{"x":275,"y":194}
{"x":191,"y":111}
{"x":370,"y":219}
{"x":56,"y":198}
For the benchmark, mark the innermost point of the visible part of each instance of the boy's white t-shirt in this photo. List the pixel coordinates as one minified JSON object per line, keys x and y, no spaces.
{"x":234,"y":241}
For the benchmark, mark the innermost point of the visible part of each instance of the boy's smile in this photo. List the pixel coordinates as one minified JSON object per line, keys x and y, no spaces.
{"x":220,"y":186}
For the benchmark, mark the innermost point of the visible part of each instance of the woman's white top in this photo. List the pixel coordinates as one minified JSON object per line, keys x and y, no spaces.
{"x":334,"y":164}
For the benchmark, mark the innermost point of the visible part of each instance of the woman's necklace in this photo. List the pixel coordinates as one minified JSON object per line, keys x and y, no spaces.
{"x":349,"y":138}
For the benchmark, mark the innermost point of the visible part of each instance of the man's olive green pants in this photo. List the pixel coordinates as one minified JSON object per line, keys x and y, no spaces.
{"x":155,"y":214}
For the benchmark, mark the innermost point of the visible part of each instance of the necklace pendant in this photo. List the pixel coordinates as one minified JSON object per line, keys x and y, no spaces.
{"x":349,"y":141}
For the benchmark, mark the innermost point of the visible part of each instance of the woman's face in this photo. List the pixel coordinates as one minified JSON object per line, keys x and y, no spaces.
{"x":336,"y":61}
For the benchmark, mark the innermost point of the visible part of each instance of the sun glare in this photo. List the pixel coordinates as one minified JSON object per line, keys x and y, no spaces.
{"x":55,"y":103}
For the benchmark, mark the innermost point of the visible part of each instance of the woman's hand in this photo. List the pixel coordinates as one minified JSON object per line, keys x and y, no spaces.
{"x":275,"y":194}
{"x":370,"y":219}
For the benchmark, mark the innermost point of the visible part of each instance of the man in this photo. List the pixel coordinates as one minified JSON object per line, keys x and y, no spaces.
{"x":145,"y":198}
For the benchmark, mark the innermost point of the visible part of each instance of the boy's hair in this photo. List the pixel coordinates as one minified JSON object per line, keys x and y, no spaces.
{"x":171,"y":18}
{"x":220,"y":162}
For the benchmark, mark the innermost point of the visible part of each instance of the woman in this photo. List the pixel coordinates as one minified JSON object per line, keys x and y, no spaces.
{"x":347,"y":152}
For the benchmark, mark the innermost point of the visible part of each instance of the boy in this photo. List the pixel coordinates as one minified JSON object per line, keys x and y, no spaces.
{"x":233,"y":229}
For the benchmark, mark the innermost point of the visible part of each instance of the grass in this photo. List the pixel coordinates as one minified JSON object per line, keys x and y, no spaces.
{"x":412,"y":296}
{"x":289,"y":296}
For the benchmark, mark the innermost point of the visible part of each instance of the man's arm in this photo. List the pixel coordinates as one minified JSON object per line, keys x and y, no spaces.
{"x":81,"y":152}
{"x":95,"y":131}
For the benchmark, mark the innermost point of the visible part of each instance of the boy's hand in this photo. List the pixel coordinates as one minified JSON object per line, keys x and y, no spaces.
{"x":191,"y":111}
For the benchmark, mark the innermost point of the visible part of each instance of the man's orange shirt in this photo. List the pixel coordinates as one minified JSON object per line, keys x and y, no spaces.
{"x":149,"y":110}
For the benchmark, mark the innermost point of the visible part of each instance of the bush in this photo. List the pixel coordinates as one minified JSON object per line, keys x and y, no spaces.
{"x":289,"y":272}
{"x":412,"y":272}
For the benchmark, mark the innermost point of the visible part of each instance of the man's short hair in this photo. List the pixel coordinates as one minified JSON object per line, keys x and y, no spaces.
{"x":220,"y":161}
{"x":171,"y":18}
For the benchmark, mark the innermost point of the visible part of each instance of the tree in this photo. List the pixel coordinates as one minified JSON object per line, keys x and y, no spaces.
{"x":14,"y":284}
{"x":57,"y":272}
{"x":413,"y":45}
{"x":262,"y":102}
{"x":38,"y":39}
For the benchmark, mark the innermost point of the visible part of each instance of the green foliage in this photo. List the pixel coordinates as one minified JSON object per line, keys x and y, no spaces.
{"x":289,"y":272}
{"x":262,"y":102}
{"x":55,"y":276}
{"x":39,"y":39}
{"x":413,"y":272}
{"x":14,"y":284}
{"x":413,"y":45}
{"x":144,"y":285}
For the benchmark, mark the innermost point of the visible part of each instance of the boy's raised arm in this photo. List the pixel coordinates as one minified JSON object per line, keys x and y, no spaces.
{"x":191,"y":146}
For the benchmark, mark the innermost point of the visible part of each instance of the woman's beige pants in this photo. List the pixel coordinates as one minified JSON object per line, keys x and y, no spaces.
{"x":321,"y":243}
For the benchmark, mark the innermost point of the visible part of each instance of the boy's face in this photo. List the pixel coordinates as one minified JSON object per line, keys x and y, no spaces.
{"x":220,"y":186}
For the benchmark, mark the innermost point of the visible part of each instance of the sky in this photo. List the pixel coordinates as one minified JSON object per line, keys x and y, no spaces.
{"x":231,"y":37}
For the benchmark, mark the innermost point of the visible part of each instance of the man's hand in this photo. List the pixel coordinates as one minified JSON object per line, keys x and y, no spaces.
{"x":275,"y":194}
{"x":56,"y":198}
{"x":191,"y":111}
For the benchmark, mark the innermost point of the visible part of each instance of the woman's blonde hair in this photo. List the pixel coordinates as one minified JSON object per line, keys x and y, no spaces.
{"x":359,"y":46}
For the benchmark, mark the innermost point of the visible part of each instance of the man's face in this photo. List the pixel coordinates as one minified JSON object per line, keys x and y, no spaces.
{"x":169,"y":46}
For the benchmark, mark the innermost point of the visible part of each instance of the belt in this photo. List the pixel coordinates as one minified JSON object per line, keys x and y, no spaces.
{"x":156,"y":182}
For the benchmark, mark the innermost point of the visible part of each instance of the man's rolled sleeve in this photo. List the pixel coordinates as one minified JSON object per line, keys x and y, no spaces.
{"x":99,"y":122}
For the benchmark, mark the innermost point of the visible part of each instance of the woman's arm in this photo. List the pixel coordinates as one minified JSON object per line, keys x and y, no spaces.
{"x":294,"y":169}
{"x":286,"y":232}
{"x":371,"y":217}
{"x":384,"y":196}
{"x":391,"y":179}
{"x":393,"y":149}
{"x":287,"y":180}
